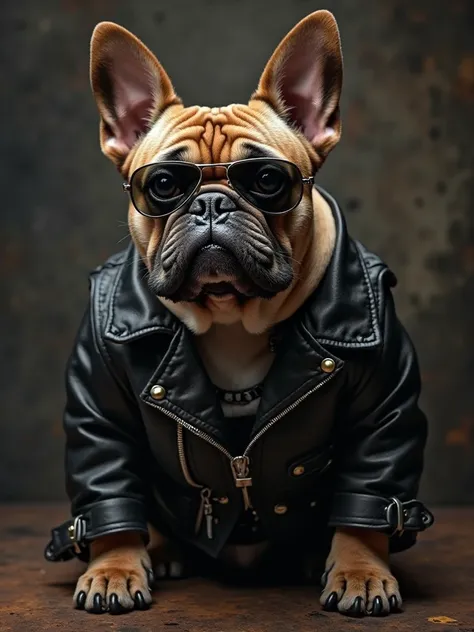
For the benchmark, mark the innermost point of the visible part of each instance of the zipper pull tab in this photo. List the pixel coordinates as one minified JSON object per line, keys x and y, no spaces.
{"x":240,"y":470}
{"x":205,"y":510}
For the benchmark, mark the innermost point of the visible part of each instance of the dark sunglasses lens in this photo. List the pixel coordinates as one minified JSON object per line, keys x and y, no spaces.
{"x":272,"y":186}
{"x":161,"y":188}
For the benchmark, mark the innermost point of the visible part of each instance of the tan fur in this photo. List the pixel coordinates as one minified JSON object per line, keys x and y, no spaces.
{"x":269,"y":87}
{"x":118,"y":565}
{"x":358,"y":566}
{"x":358,"y":561}
{"x":121,"y":564}
{"x":107,"y":38}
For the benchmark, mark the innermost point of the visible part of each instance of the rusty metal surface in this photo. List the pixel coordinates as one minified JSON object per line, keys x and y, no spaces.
{"x":403,"y":172}
{"x":437,"y":582}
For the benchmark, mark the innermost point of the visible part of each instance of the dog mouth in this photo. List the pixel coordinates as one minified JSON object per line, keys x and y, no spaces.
{"x":218,"y":277}
{"x":221,"y":291}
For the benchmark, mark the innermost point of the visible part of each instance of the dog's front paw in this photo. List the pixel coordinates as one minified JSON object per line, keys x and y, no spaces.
{"x":360,"y":591}
{"x":116,"y":582}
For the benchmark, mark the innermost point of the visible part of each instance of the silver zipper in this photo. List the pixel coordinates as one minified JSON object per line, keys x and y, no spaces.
{"x":182,"y":459}
{"x":240,"y":465}
{"x":240,"y":470}
{"x":286,"y":411}
{"x":196,"y":431}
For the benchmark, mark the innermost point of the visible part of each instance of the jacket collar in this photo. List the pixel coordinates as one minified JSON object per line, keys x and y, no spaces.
{"x":342,"y":312}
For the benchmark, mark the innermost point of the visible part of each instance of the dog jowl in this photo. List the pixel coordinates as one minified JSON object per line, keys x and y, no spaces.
{"x":241,"y":385}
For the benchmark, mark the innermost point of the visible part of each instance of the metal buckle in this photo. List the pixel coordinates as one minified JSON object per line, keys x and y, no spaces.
{"x":76,"y":532}
{"x":401,"y":515}
{"x":427,"y":518}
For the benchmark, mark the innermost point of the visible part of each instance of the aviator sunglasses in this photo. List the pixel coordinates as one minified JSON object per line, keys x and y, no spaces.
{"x":271,"y":185}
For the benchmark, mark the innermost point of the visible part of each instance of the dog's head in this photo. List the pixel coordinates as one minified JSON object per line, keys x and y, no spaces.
{"x":244,"y":237}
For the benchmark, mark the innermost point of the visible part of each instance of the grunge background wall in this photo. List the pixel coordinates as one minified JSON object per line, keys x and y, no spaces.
{"x":403,"y":173}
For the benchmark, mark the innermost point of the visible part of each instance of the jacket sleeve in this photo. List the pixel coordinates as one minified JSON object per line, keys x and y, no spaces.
{"x":382,"y":440}
{"x":105,"y":441}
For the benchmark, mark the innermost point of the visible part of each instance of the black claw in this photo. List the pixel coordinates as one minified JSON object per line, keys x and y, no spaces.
{"x":356,"y":609}
{"x":377,"y":608}
{"x":81,"y":600}
{"x":115,"y":607}
{"x":140,"y":602}
{"x":97,"y":605}
{"x":393,"y":601}
{"x":331,"y":602}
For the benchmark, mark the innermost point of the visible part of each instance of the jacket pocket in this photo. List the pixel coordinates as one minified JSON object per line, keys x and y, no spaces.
{"x":316,"y":461}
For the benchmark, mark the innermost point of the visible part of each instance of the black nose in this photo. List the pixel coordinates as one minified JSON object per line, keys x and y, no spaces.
{"x":212,"y":205}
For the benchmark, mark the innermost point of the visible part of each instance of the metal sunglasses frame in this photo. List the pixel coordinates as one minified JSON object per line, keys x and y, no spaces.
{"x":127,"y":186}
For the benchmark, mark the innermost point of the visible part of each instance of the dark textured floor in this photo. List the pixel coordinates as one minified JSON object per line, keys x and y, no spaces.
{"x":437,"y":580}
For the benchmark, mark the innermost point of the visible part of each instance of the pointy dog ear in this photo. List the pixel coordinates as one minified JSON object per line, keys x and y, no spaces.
{"x":130,"y":87}
{"x":303,"y":80}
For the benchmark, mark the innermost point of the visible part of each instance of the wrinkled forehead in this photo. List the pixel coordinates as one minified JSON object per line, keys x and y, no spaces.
{"x":212,"y":135}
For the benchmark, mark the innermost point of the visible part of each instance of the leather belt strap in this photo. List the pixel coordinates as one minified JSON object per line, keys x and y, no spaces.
{"x":70,"y":539}
{"x":389,"y":515}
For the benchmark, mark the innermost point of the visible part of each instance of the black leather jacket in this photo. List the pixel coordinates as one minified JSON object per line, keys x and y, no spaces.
{"x":338,"y":438}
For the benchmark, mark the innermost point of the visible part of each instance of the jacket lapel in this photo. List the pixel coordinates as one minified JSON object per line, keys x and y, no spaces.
{"x":342,"y":312}
{"x":190,"y":395}
{"x":296,"y":371}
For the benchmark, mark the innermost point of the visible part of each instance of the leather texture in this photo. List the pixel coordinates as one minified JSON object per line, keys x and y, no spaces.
{"x":357,"y":432}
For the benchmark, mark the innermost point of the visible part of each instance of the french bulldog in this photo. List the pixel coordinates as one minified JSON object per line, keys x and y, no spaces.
{"x":234,"y":240}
